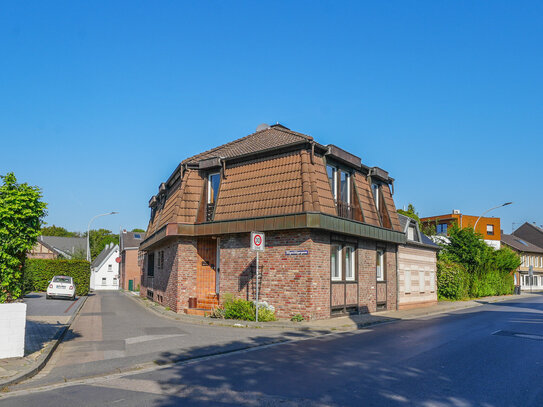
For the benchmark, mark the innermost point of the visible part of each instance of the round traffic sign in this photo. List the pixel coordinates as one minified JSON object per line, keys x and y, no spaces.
{"x":258,"y":240}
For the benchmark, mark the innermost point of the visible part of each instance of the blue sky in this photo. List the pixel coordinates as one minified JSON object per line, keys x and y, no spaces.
{"x":100,"y":101}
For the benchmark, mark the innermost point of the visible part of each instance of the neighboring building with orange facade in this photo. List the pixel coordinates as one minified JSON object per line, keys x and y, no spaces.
{"x":489,"y":228}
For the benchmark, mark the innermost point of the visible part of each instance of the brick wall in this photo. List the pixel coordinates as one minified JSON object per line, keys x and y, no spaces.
{"x":176,"y":280}
{"x":367,"y":274}
{"x":129,"y":268}
{"x":291,"y":283}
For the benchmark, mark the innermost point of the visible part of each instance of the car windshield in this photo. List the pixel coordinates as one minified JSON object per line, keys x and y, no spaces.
{"x":66,"y":280}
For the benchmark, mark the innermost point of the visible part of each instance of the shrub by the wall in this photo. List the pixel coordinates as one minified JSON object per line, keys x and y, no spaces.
{"x":236,"y":308}
{"x":39,"y":272}
{"x":453,"y":281}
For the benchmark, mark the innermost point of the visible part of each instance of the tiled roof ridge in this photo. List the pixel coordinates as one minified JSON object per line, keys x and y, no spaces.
{"x":237,"y":141}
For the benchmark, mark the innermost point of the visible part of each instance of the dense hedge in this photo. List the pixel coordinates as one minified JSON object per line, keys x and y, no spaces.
{"x":39,"y":272}
{"x":455,"y":283}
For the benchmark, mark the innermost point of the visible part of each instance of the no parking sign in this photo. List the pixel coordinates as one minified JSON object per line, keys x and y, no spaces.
{"x":257,"y":241}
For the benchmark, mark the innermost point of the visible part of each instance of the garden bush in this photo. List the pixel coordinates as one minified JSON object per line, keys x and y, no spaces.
{"x":235,"y":308}
{"x":38,"y":273}
{"x":453,"y":281}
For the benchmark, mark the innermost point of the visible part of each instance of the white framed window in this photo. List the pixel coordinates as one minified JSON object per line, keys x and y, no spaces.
{"x":104,"y":281}
{"x":432,"y":282}
{"x":411,"y":232}
{"x":489,"y":229}
{"x":375,"y":190}
{"x":380,"y":265}
{"x":335,"y":262}
{"x":109,"y":267}
{"x":345,"y":187}
{"x":422,"y":282}
{"x":349,"y":263}
{"x":213,"y":183}
{"x":332,"y":174}
{"x":535,"y":280}
{"x":407,"y":282}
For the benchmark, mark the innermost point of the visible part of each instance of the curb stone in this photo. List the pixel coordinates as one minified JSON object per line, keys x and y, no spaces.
{"x":45,"y":355}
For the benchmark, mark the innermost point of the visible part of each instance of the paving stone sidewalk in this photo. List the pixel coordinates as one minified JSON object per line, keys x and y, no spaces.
{"x":42,"y":335}
{"x":333,"y":324}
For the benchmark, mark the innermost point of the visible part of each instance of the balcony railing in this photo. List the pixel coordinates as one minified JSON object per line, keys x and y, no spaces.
{"x":210,"y":209}
{"x":344,"y":210}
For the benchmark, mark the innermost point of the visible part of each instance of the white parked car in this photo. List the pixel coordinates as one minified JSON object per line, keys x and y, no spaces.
{"x":61,"y":286}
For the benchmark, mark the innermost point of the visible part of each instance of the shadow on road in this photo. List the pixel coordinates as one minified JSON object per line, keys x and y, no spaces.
{"x":416,"y":363}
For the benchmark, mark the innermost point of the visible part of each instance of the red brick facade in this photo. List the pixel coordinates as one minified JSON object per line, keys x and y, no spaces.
{"x":293,"y":284}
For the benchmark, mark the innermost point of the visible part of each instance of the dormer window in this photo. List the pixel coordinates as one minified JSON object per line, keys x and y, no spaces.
{"x":411,"y":233}
{"x":340,"y":182}
{"x":213,"y":184}
{"x":375,"y":190}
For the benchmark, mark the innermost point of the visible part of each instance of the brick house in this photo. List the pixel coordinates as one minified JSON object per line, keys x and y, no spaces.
{"x":129,"y":267}
{"x":331,"y":228}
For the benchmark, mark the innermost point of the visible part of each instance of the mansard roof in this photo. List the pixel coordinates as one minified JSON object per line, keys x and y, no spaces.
{"x":272,"y":172}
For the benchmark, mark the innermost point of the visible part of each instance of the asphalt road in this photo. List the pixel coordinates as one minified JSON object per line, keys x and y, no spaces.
{"x":37,"y":305}
{"x":485,"y":356}
{"x":113,"y":332}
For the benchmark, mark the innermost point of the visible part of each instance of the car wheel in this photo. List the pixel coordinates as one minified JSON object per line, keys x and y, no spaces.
{"x":47,"y":297}
{"x":73,"y":298}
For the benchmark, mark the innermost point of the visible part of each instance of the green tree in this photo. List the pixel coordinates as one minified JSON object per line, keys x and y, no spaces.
{"x":410,"y":212}
{"x":137,"y":230}
{"x":21,"y":214}
{"x":57,"y":231}
{"x":467,"y":248}
{"x":468,"y":267}
{"x":99,"y":239}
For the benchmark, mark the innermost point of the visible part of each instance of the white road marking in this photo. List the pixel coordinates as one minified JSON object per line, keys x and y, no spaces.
{"x":146,"y":338}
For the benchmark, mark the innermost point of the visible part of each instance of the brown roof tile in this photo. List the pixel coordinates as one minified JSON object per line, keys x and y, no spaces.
{"x":273,"y":137}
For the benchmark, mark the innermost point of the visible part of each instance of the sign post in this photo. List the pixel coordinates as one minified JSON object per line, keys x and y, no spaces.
{"x":257,"y":244}
{"x":531,"y":274}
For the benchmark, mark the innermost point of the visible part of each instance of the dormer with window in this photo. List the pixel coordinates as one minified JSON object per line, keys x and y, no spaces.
{"x":213,"y":184}
{"x":340,"y":182}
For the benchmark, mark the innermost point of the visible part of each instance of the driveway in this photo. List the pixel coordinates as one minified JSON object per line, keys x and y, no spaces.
{"x":45,"y":318}
{"x":57,"y":310}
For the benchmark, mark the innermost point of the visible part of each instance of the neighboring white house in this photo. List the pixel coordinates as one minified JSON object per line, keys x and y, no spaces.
{"x":105,"y":269}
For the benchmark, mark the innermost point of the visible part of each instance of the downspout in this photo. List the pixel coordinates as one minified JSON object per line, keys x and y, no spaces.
{"x":312,"y":153}
{"x":223,"y":168}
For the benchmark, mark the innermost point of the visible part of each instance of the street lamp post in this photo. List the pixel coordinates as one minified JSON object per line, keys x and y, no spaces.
{"x":88,"y":232}
{"x":488,"y":210}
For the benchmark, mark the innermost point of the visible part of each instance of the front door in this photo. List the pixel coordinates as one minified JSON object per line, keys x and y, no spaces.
{"x":381,"y":284}
{"x":206,"y":272}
